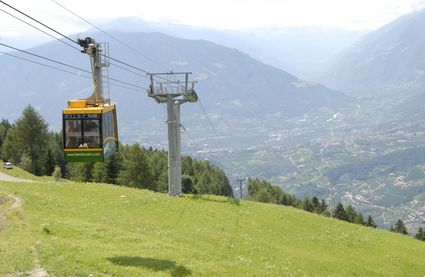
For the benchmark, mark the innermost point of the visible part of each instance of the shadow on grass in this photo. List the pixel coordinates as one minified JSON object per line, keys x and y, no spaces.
{"x":153,"y":264}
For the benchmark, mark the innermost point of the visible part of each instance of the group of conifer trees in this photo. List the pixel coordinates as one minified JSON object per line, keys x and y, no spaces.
{"x":264,"y":191}
{"x":29,"y":144}
{"x":400,"y":228}
{"x":135,"y":166}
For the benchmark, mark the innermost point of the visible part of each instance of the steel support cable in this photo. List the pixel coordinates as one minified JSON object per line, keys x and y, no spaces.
{"x":45,"y":65}
{"x":41,"y":57}
{"x":136,"y":68}
{"x":210,"y":123}
{"x":63,"y":70}
{"x":128,"y":70}
{"x":206,"y":129}
{"x":38,"y":29}
{"x":39,"y":22}
{"x":67,"y":65}
{"x":109,"y":35}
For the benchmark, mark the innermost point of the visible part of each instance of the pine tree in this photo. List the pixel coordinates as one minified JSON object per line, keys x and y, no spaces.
{"x":100,"y":174}
{"x":307,"y":205}
{"x":80,"y":172}
{"x":11,"y":149}
{"x":316,"y":205}
{"x":399,"y":227}
{"x":31,"y":137}
{"x":25,"y":163}
{"x":159,"y":165}
{"x":204,"y":183}
{"x":420,"y":235}
{"x":57,"y":150}
{"x":351,"y":213}
{"x":263,"y":196}
{"x":4,"y":127}
{"x":323,"y":206}
{"x":187,"y":184}
{"x":49,"y":163}
{"x":340,"y":212}
{"x":370,"y":222}
{"x":136,"y":170}
{"x":113,"y":166}
{"x":359,"y":219}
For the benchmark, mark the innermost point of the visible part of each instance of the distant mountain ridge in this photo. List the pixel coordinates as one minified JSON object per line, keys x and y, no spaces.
{"x":230,"y":82}
{"x":303,"y":51}
{"x":390,"y":58}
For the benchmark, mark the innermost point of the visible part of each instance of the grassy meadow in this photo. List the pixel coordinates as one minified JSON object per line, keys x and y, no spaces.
{"x":79,"y":229}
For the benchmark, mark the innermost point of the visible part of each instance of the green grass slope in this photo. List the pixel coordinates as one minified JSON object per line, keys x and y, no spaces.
{"x":74,"y":229}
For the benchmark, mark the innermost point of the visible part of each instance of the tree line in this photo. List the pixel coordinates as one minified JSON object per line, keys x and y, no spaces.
{"x":135,"y":166}
{"x":28,"y":144}
{"x":263,"y":191}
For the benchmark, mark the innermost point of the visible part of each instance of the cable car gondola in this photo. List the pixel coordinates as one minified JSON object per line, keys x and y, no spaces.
{"x":90,"y":131}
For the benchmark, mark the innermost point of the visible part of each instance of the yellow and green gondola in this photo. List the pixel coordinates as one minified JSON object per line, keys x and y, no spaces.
{"x":90,"y":133}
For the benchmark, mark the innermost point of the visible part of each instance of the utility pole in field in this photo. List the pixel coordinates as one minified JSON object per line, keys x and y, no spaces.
{"x":240,"y":180}
{"x":332,"y":200}
{"x":174,"y":93}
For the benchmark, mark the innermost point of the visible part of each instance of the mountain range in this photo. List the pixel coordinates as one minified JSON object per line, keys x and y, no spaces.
{"x":230,"y":82}
{"x":390,"y":59}
{"x":302,"y":51}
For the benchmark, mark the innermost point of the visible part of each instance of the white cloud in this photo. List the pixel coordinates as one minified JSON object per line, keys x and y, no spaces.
{"x":10,"y":34}
{"x":223,"y":14}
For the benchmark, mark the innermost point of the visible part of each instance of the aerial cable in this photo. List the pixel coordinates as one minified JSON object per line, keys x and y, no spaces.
{"x":50,"y":35}
{"x":206,"y":130}
{"x":67,"y":65}
{"x":41,"y":57}
{"x":39,"y":22}
{"x":109,"y":35}
{"x":135,"y":67}
{"x":210,"y":123}
{"x":191,"y":139}
{"x":128,"y":70}
{"x":45,"y":65}
{"x":126,"y":64}
{"x":63,"y":70}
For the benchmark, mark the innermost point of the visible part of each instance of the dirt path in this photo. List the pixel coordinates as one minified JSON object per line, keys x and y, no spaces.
{"x":16,"y":204}
{"x":38,"y":271}
{"x":8,"y":178}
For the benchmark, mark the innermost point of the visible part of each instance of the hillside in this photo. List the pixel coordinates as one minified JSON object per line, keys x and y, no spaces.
{"x":388,"y":59}
{"x":103,"y":230}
